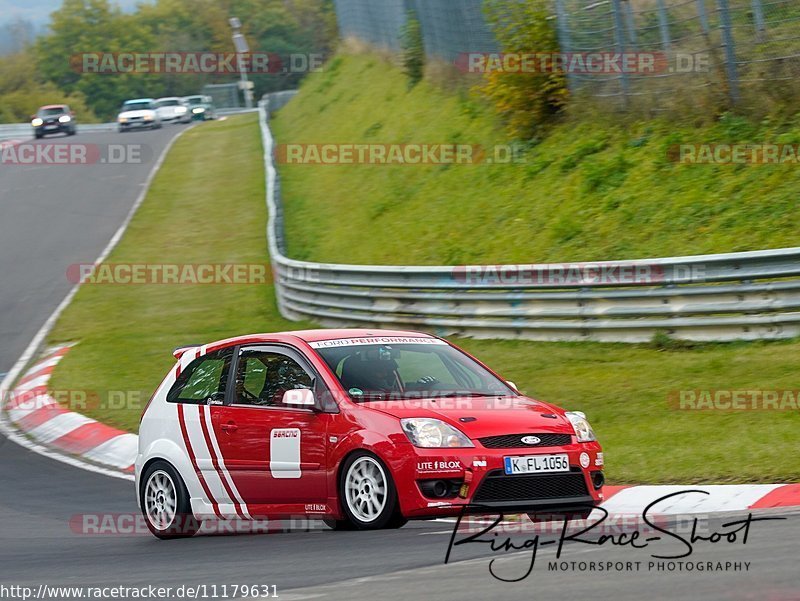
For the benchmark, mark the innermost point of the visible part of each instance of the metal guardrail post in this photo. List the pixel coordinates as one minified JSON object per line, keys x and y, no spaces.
{"x":631,"y":24}
{"x":730,"y":50}
{"x":758,"y":19}
{"x":619,"y":38}
{"x":703,"y":16}
{"x":663,"y":25}
{"x":562,"y":27}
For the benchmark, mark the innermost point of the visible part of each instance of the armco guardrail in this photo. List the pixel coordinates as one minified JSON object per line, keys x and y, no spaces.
{"x":749,"y":295}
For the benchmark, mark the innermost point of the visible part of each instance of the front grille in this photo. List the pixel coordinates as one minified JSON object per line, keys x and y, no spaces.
{"x":498,"y":487}
{"x":514,"y":441}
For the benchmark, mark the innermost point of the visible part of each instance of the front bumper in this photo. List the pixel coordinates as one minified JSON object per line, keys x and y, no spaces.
{"x":52,"y":128}
{"x":139,"y":124}
{"x":477,"y":477}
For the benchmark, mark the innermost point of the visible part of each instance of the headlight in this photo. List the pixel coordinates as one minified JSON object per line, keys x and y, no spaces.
{"x":180,"y":110}
{"x":148,"y":117}
{"x":198,"y":110}
{"x":64,"y":119}
{"x":582,"y":428}
{"x":433,"y":433}
{"x":37,"y":122}
{"x":123,"y":119}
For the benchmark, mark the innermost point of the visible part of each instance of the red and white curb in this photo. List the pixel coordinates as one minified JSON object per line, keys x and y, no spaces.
{"x":700,"y":499}
{"x":31,"y":410}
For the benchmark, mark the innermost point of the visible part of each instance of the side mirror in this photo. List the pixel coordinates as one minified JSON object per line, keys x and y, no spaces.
{"x":302,"y":397}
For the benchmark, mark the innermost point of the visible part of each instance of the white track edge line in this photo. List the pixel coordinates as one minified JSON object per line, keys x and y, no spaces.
{"x":5,"y":386}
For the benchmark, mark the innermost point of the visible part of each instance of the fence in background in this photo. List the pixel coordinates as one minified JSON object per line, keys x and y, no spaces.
{"x":751,"y":295}
{"x":449,"y":27}
{"x":721,"y":47}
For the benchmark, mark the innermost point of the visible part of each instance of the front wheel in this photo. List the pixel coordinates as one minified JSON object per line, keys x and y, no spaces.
{"x":368,"y":494}
{"x":165,"y":503}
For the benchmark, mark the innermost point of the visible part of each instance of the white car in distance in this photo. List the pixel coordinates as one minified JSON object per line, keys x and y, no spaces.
{"x":172,"y":110}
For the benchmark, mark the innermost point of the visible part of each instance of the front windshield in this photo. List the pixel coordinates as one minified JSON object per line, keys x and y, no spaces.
{"x":52,"y":111}
{"x":137,"y":106}
{"x":194,"y":100}
{"x":407,"y":370}
{"x":161,"y":103}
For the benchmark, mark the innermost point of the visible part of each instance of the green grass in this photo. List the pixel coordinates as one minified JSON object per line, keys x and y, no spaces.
{"x":593,"y":189}
{"x":207,"y":205}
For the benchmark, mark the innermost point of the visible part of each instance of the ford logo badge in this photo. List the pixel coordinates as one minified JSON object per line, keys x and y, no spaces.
{"x":530,"y":440}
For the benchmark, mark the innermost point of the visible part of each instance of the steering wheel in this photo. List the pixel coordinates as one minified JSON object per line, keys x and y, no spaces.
{"x":427,"y":382}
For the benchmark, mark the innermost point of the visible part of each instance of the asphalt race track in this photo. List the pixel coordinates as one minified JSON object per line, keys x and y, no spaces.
{"x":51,"y":217}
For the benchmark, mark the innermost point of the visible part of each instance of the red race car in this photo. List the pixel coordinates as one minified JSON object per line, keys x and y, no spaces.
{"x":362,"y":428}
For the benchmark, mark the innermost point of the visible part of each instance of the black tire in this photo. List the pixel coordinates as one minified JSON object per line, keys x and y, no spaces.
{"x":183,"y":524}
{"x":72,"y":132}
{"x":388,"y":516}
{"x":38,"y":136}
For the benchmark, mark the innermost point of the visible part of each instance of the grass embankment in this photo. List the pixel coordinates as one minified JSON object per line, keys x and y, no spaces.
{"x":207,"y":206}
{"x":593,"y":189}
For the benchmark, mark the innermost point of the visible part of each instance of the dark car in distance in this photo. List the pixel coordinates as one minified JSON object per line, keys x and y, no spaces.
{"x":53,"y":119}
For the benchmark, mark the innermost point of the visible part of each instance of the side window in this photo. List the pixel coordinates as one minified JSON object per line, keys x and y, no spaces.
{"x":203,"y":378}
{"x":262,"y":377}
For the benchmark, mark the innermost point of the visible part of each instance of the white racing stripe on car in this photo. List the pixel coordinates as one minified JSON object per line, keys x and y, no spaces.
{"x":57,"y":427}
{"x":120,"y":451}
{"x":191,"y":416}
{"x":221,"y":462}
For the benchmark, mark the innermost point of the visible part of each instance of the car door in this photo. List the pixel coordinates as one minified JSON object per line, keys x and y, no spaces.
{"x":274,"y":452}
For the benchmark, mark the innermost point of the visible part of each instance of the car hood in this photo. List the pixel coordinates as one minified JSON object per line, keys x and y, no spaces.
{"x":484,"y":416}
{"x":133,"y":114}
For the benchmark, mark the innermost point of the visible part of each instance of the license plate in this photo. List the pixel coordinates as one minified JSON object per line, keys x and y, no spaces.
{"x":51,"y":126}
{"x":536,"y":464}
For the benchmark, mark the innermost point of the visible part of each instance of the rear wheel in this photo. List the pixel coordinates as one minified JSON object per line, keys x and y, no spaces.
{"x":165,"y":502}
{"x":368,"y":494}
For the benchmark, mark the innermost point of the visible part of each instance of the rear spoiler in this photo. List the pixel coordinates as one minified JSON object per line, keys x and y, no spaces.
{"x":178,"y":352}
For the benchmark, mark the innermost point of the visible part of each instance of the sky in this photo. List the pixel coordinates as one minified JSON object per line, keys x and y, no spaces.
{"x":38,"y":11}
